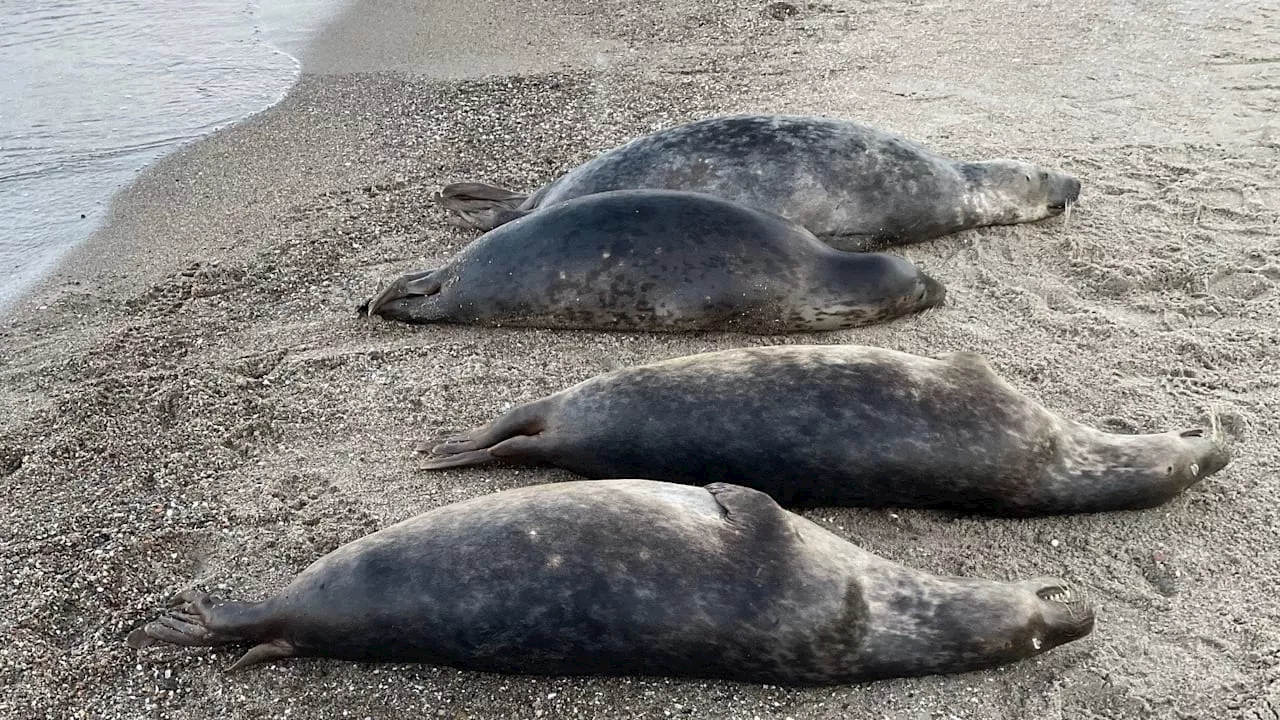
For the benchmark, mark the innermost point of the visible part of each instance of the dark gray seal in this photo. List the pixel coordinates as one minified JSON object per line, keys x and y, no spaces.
{"x":842,"y":425}
{"x":851,"y":185}
{"x":659,"y":260}
{"x":633,"y":577}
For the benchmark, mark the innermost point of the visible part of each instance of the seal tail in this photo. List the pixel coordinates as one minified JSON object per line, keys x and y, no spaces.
{"x":480,"y":206}
{"x":422,"y":283}
{"x":516,"y":434}
{"x":196,"y":619}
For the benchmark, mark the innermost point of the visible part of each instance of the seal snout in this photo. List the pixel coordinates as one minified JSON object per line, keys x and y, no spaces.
{"x":1064,"y":190}
{"x":1209,"y":455}
{"x":935,"y":293}
{"x":1066,"y":610}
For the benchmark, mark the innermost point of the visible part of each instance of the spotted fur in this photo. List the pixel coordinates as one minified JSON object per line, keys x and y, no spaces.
{"x":855,"y":187}
{"x":633,"y":577}
{"x":842,"y":425}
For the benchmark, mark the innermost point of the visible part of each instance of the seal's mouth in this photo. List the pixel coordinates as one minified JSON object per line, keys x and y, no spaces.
{"x":1060,"y":594}
{"x":1064,"y":192}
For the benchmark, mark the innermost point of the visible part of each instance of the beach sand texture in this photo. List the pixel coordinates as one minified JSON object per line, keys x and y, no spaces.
{"x":192,"y":401}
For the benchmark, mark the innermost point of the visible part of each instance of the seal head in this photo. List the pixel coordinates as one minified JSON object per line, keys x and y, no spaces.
{"x":1008,"y":192}
{"x":999,"y":623}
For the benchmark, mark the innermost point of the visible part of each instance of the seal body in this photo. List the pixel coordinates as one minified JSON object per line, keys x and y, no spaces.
{"x":659,"y":260}
{"x":851,"y":185}
{"x":634,"y":577}
{"x":842,"y":425}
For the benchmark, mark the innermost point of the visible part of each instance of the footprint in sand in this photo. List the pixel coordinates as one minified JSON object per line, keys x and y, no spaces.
{"x":1241,"y":285}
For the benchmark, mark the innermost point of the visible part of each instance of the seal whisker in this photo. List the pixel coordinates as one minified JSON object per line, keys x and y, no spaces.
{"x":1215,"y":425}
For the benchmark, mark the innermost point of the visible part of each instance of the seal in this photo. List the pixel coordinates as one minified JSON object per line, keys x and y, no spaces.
{"x":659,"y":260}
{"x":842,"y":425}
{"x":633,"y":577}
{"x":855,"y":187}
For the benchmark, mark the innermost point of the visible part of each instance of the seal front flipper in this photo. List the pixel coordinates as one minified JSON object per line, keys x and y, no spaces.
{"x":422,"y":283}
{"x":516,"y":435}
{"x":740,"y":502}
{"x":266,"y":652}
{"x":480,"y":206}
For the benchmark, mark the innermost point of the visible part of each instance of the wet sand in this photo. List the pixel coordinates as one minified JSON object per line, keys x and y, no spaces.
{"x":191,"y":400}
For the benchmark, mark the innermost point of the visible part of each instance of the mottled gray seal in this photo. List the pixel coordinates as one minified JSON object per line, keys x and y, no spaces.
{"x":841,"y":425}
{"x":633,"y":577}
{"x":851,"y":185}
{"x":659,"y":260}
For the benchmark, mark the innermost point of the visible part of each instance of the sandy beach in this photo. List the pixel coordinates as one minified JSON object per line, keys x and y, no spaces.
{"x":191,"y":400}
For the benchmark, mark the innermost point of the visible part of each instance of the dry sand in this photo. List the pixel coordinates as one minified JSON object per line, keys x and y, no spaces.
{"x":192,"y":401}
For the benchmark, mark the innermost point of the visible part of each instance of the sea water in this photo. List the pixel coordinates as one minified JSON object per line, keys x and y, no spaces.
{"x":91,"y":91}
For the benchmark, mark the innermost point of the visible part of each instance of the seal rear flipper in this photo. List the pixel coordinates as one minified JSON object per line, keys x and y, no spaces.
{"x":513,"y":435}
{"x":178,"y":628}
{"x":426,"y":282}
{"x":196,"y":619}
{"x":480,"y":206}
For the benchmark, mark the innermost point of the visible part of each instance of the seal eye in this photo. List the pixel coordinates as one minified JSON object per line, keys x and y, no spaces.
{"x":1028,"y":177}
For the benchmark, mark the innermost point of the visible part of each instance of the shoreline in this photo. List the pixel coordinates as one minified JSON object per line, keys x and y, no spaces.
{"x":102,"y":181}
{"x":196,"y":403}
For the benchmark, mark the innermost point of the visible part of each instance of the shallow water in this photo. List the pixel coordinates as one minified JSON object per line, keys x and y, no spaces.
{"x":94,"y":90}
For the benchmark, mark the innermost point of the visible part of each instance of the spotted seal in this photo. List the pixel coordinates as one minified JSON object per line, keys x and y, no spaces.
{"x":659,"y":260}
{"x":841,"y":425}
{"x":854,"y":186}
{"x":633,"y":577}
